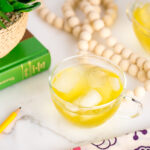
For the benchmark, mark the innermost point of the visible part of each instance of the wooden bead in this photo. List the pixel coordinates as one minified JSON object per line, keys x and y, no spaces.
{"x":92,"y":45}
{"x":42,"y":6}
{"x":66,"y":8}
{"x":140,"y":62}
{"x":58,"y":22}
{"x":106,"y":2}
{"x":147,"y":85}
{"x":68,"y":14}
{"x":83,"y":4}
{"x":99,"y":49}
{"x":124,"y":65}
{"x":85,"y":21}
{"x":88,"y":28}
{"x":148,"y":74}
{"x":141,"y":76}
{"x":133,"y":57}
{"x":126,"y":53}
{"x":83,"y":45}
{"x":112,"y":13}
{"x":88,"y":9}
{"x":118,"y":48}
{"x":50,"y":18}
{"x":66,"y":27}
{"x":108,"y":20}
{"x":85,"y":35}
{"x":75,"y":1}
{"x":105,"y":33}
{"x":139,"y":91}
{"x":76,"y":31}
{"x":112,"y":6}
{"x":130,"y":93}
{"x":73,"y":21}
{"x":43,"y":12}
{"x":98,"y":25}
{"x":95,"y":2}
{"x":97,"y":9}
{"x":107,"y":53}
{"x":93,"y":15}
{"x":132,"y":70}
{"x":147,"y":66}
{"x":111,"y":41}
{"x":116,"y":59}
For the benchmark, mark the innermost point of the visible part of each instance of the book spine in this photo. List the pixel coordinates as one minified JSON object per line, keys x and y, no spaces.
{"x":24,"y":70}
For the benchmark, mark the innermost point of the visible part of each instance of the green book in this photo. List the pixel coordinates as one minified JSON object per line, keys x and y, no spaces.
{"x":27,"y":59}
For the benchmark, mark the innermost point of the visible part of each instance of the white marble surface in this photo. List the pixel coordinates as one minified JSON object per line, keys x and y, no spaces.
{"x":29,"y":133}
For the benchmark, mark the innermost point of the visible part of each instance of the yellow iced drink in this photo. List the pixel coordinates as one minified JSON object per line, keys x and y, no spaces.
{"x":85,"y":87}
{"x":141,"y":24}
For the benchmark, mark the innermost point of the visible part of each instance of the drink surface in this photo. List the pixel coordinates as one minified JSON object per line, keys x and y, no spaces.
{"x":142,"y":24}
{"x":86,"y":86}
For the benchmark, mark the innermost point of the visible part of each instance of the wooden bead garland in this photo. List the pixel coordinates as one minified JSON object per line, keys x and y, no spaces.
{"x":92,"y":45}
{"x":107,"y":53}
{"x":99,"y":49}
{"x":50,"y":17}
{"x":96,"y":21}
{"x":58,"y":22}
{"x":124,"y":65}
{"x":141,"y":76}
{"x":126,"y":53}
{"x":140,"y":62}
{"x":116,"y":59}
{"x":133,"y":69}
{"x":82,"y":44}
{"x":76,"y":31}
{"x":111,"y":42}
{"x":147,"y":65}
{"x":133,"y":58}
{"x":98,"y":24}
{"x":105,"y":32}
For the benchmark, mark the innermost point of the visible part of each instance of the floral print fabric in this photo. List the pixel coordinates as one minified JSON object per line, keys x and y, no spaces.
{"x":139,"y":140}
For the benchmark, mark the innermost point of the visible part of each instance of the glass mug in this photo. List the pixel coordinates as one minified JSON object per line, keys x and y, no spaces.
{"x":141,"y":29}
{"x":93,"y":116}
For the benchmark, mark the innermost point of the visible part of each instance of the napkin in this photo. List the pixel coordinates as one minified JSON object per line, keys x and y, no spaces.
{"x":139,"y":140}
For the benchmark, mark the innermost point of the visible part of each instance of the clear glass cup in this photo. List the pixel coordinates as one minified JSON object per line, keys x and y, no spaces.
{"x":141,"y":32}
{"x":93,"y":116}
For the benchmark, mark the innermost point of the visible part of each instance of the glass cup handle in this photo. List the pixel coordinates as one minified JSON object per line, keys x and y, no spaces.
{"x":130,"y":107}
{"x":129,"y":10}
{"x":128,"y":14}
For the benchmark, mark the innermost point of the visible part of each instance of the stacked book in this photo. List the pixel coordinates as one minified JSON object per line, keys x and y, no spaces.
{"x":27,"y":59}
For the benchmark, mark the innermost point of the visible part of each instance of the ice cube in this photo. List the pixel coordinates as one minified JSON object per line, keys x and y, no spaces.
{"x":115,"y":83}
{"x":67,"y":80}
{"x":97,"y":77}
{"x":92,"y":98}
